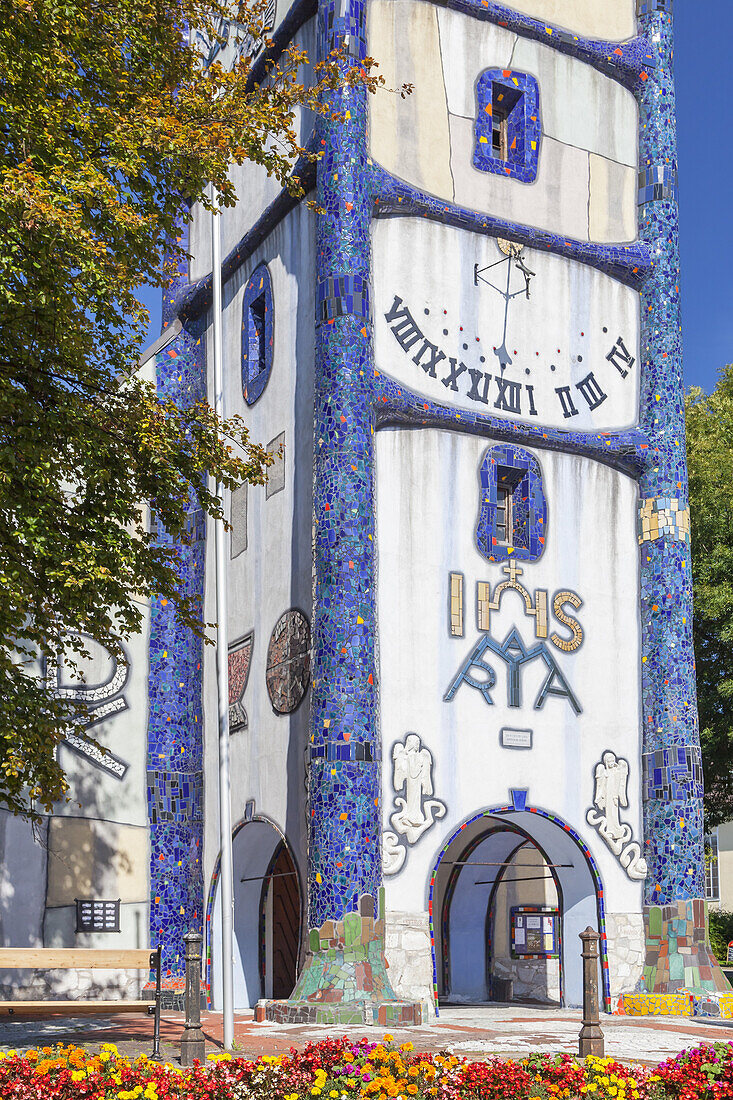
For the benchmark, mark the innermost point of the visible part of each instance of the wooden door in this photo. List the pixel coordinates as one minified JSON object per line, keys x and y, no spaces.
{"x":285,"y":924}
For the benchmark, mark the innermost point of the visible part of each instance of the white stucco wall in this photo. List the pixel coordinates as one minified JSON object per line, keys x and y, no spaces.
{"x":427,"y":138}
{"x":274,"y":572}
{"x":564,"y":331}
{"x":255,"y":189}
{"x":592,"y":18}
{"x":427,"y":508}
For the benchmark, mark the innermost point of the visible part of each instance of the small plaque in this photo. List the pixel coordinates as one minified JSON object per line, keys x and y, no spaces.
{"x":516,"y":739}
{"x":97,"y":916}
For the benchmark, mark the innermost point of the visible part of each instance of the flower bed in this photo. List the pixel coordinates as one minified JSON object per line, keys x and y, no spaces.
{"x":338,"y":1069}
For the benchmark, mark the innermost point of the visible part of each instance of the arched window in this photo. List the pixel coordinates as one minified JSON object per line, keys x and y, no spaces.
{"x":257,"y":332}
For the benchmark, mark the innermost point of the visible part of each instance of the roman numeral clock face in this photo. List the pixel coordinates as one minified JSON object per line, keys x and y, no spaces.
{"x":516,"y":333}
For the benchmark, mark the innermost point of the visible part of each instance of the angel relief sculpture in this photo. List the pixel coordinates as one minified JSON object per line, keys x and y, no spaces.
{"x":611,"y":795}
{"x":416,"y":812}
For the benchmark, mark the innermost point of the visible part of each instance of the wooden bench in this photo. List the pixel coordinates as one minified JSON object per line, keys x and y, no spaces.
{"x":72,"y":958}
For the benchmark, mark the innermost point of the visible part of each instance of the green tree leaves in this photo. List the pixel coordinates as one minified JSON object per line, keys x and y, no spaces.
{"x":710,"y":461}
{"x":108,"y":119}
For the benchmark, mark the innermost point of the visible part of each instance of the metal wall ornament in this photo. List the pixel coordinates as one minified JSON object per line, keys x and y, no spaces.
{"x":101,"y":700}
{"x":416,"y":811}
{"x":288,"y":667}
{"x":611,"y":795}
{"x":240,"y":660}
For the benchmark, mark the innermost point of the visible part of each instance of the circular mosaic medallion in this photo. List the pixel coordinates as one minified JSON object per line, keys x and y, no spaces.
{"x":288,"y":662}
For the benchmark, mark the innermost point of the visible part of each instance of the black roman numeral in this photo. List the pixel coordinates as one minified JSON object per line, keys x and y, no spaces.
{"x":622,"y":360}
{"x":591,"y":391}
{"x":473,"y":393}
{"x":566,"y":401}
{"x":430,"y":364}
{"x":509,"y":397}
{"x":456,"y":370}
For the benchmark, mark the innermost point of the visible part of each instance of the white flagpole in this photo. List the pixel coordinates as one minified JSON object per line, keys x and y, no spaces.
{"x":226,"y":881}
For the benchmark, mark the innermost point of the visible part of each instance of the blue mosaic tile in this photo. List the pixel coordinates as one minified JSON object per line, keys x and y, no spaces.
{"x":257,"y":334}
{"x":673,"y":827}
{"x":508,"y":113}
{"x":520,"y":472}
{"x":174,"y":759}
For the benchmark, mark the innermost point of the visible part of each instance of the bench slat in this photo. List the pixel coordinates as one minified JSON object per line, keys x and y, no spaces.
{"x":73,"y":958}
{"x":72,"y":1008}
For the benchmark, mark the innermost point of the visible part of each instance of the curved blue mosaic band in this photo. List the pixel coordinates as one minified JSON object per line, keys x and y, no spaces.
{"x":628,"y":62}
{"x":394,"y":404}
{"x":629,"y":263}
{"x":673,"y":818}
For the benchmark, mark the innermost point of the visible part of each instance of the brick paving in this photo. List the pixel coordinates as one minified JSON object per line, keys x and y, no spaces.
{"x":475,"y":1032}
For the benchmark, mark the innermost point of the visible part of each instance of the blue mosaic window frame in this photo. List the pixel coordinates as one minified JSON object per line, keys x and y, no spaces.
{"x":517,"y":95}
{"x":257,"y":334}
{"x":521,"y":472}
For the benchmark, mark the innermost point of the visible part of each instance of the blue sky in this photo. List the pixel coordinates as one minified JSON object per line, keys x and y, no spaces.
{"x":704,"y":76}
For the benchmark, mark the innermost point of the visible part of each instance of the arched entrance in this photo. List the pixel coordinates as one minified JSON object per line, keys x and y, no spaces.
{"x":267,"y":917}
{"x":280,"y":925}
{"x":510,"y":894}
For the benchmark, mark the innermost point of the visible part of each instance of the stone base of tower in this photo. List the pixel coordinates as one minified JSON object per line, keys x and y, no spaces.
{"x":678,"y":953}
{"x":681,"y":975}
{"x":344,"y":980}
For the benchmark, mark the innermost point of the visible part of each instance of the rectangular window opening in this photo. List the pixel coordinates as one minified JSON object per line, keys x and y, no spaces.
{"x":503,"y":105}
{"x":503,"y":514}
{"x":712,"y":872}
{"x":507,"y":480}
{"x":257,"y":361}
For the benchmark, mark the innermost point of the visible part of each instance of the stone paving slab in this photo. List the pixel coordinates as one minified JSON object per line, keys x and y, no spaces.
{"x":474,"y":1032}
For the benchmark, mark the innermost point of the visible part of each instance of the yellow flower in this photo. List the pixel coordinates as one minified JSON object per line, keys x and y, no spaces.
{"x":333,"y":1093}
{"x":387,"y":1038}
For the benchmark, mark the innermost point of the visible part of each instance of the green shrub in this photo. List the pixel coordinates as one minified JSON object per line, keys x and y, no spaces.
{"x":721,"y":932}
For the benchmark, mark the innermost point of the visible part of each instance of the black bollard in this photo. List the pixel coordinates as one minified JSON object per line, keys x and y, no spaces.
{"x":590,"y":1040}
{"x":193,"y":1043}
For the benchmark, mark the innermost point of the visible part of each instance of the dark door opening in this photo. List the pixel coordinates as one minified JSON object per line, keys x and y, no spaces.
{"x":282,"y":914}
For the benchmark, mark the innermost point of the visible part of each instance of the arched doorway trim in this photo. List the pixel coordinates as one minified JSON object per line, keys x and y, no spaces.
{"x":211,"y":897}
{"x":592,"y":867}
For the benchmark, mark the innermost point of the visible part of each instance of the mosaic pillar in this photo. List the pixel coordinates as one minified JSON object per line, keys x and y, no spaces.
{"x":344,"y":979}
{"x":677,"y":951}
{"x":175,"y":755}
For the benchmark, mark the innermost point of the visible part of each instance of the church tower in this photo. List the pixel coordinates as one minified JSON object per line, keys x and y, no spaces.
{"x":462,"y":698}
{"x":462,"y":712}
